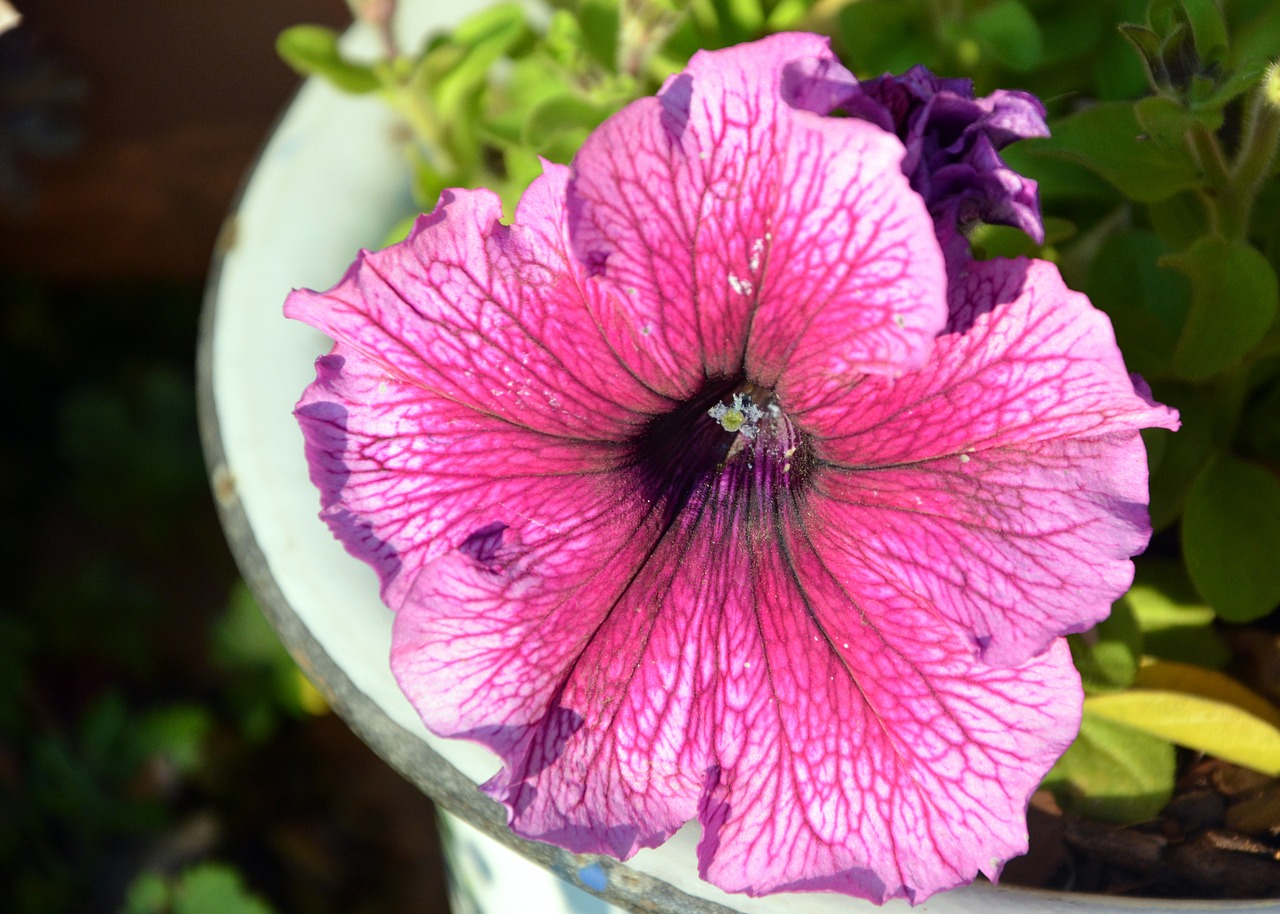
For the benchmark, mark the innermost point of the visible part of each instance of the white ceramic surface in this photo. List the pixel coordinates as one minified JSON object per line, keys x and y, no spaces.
{"x":330,"y":181}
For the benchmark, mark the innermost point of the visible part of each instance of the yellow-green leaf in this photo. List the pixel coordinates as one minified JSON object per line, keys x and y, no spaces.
{"x":1165,"y":675}
{"x":1208,"y":725}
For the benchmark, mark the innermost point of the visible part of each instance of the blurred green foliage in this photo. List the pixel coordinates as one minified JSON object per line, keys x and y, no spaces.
{"x":134,"y":670}
{"x":208,"y":888}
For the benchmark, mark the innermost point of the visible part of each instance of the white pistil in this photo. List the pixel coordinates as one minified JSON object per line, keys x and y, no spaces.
{"x":741,"y":415}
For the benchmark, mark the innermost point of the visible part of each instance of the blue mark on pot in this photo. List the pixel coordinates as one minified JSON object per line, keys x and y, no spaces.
{"x":594,"y":877}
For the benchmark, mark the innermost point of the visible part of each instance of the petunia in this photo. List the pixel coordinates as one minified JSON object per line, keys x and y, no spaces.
{"x":702,"y":491}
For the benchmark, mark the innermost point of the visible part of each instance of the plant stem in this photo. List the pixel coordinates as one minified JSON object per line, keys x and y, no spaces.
{"x":415,"y":108}
{"x":1208,"y":154}
{"x":1252,"y":165}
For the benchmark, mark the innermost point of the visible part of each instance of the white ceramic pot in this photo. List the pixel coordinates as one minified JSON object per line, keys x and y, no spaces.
{"x":332,"y":180}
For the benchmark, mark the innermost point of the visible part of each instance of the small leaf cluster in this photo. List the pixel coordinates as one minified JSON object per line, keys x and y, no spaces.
{"x":1161,"y":195}
{"x":484,"y":102}
{"x":207,"y":888}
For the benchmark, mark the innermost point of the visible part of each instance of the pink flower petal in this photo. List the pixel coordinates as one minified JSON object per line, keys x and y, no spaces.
{"x":1005,"y":480}
{"x":571,"y":658}
{"x":828,"y":739}
{"x":458,"y":381}
{"x":732,"y":226}
{"x":862,"y":748}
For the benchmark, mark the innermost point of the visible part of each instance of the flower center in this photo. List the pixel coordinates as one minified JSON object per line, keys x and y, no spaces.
{"x":742,"y":416}
{"x":731,"y":444}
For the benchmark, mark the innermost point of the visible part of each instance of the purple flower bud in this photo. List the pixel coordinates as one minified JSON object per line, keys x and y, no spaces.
{"x":952,"y":142}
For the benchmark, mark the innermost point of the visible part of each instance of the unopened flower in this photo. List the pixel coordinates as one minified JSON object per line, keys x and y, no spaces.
{"x":952,"y":141}
{"x":702,"y":491}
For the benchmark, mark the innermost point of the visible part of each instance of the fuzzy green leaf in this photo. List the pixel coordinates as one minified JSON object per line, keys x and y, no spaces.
{"x":1113,"y":772}
{"x":1209,"y":28}
{"x":1166,"y":122}
{"x":313,"y":50}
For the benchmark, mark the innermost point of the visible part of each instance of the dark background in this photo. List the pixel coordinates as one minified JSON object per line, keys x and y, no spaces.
{"x":149,"y":721}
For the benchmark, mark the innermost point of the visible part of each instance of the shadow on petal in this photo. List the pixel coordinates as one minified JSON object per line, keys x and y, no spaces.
{"x":324,"y":427}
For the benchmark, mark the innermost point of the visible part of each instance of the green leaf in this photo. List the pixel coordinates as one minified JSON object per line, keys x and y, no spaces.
{"x":313,"y":50}
{"x":1209,"y":28}
{"x":1166,"y":122}
{"x":1059,"y":178}
{"x":1205,"y":724}
{"x":399,"y":232}
{"x":600,"y":23}
{"x":1146,"y":42}
{"x":881,"y":36}
{"x":499,"y":22}
{"x":1147,"y":305}
{"x":1107,"y":655}
{"x":177,"y":733}
{"x":147,"y":894}
{"x":1076,"y":29}
{"x":1009,"y":33}
{"x":1234,"y":298}
{"x":522,"y":167}
{"x":1179,"y":220}
{"x":787,"y":15}
{"x":1182,"y":453}
{"x":741,"y":20}
{"x":462,"y":72}
{"x":990,"y":241}
{"x":1253,"y":43}
{"x":1175,"y":622}
{"x":1113,"y":772}
{"x":1107,"y":139}
{"x":1261,"y":426}
{"x":533,"y":80}
{"x":1219,"y":92}
{"x":1231,"y":538}
{"x":1118,"y":72}
{"x":213,"y":888}
{"x":265,"y":684}
{"x":558,"y":116}
{"x":428,"y":182}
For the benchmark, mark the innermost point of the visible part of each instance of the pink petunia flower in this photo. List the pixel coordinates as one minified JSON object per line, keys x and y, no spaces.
{"x":702,"y":491}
